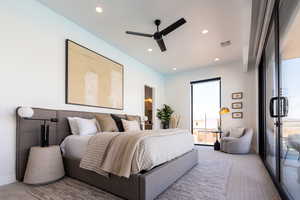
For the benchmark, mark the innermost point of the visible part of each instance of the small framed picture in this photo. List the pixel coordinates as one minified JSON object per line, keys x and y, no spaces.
{"x":237,"y":95}
{"x":237,"y":105}
{"x":237,"y":115}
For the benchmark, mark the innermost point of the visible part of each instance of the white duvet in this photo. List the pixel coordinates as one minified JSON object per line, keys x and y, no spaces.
{"x":156,"y":150}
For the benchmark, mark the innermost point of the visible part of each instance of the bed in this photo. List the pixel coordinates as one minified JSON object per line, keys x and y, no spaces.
{"x":147,"y":184}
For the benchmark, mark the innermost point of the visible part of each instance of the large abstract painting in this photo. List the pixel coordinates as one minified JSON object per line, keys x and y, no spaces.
{"x":92,"y":79}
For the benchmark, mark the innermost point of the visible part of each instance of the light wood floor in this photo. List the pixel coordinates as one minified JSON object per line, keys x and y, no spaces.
{"x":248,"y":180}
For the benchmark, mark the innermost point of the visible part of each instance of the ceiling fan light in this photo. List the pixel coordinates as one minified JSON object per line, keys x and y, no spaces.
{"x":149,"y":49}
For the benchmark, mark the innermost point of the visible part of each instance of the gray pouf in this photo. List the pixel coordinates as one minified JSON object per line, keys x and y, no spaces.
{"x":44,"y":165}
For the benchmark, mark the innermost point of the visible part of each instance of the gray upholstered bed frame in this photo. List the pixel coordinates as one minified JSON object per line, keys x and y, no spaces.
{"x":142,"y":186}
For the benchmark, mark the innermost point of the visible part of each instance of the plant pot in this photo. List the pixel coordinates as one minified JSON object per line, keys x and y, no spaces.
{"x":165,"y":125}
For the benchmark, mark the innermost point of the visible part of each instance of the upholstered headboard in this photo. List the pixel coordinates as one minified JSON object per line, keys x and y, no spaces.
{"x":28,"y":132}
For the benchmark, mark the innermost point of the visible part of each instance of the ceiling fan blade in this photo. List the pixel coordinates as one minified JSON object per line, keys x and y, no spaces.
{"x":139,"y":34}
{"x":173,"y":26}
{"x":161,"y":45}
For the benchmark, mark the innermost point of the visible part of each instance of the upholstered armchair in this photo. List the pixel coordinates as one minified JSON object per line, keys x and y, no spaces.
{"x":293,"y":142}
{"x":234,"y":145}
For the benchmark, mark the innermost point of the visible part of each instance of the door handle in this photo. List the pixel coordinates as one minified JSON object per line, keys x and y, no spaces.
{"x":284,"y":104}
{"x":271,"y":108}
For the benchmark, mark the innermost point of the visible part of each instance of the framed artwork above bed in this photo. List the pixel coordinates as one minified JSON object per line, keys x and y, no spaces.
{"x":92,"y":79}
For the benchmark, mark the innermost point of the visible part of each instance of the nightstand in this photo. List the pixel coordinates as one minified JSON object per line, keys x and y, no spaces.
{"x":44,"y":165}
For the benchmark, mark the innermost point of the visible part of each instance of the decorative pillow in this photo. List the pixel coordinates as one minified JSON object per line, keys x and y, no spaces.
{"x":136,"y":118}
{"x":236,"y":132}
{"x":87,"y":126}
{"x":73,"y":125}
{"x":118,"y":121}
{"x":131,"y":125}
{"x":107,"y":123}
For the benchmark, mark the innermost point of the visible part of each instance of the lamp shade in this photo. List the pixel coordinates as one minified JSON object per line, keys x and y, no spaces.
{"x":224,"y":110}
{"x":25,"y":112}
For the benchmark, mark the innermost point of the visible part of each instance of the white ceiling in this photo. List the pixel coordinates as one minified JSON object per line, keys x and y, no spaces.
{"x":187,"y":48}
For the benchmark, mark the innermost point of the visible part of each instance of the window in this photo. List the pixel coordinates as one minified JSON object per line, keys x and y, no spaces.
{"x":205,"y":110}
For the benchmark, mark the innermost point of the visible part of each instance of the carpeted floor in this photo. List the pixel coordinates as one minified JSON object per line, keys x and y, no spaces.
{"x":246,"y":179}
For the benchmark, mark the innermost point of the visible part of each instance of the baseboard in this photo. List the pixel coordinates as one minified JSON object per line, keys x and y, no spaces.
{"x":4,"y":180}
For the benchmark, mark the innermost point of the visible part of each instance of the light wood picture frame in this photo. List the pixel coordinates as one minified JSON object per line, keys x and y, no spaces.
{"x":237,"y":95}
{"x":237,"y":115}
{"x":237,"y":105}
{"x":92,"y":79}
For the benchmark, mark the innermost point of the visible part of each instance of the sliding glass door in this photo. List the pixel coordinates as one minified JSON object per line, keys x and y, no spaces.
{"x":290,"y":98}
{"x":205,"y":110}
{"x":280,"y":84}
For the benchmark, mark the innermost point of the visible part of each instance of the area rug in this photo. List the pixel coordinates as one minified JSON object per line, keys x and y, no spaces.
{"x":206,"y":181}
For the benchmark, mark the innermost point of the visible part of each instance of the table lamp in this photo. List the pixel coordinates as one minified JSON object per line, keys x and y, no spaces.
{"x":27,"y":114}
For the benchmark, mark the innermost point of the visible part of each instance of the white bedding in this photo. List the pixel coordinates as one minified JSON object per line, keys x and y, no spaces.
{"x":156,"y":150}
{"x":74,"y":146}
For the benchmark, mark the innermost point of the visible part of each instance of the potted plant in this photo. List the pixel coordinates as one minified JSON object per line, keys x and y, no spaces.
{"x":164,"y":115}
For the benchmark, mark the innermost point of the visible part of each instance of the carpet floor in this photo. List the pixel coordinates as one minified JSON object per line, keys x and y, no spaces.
{"x":246,"y":179}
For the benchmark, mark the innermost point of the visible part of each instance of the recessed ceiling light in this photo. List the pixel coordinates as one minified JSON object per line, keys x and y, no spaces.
{"x":217,"y":59}
{"x":149,"y":50}
{"x":99,"y":9}
{"x":174,"y":68}
{"x":204,"y":31}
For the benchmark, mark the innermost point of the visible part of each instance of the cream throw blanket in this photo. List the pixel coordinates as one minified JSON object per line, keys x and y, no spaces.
{"x":114,"y":152}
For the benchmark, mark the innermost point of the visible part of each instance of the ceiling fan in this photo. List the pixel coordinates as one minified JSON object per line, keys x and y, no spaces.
{"x":158,"y":35}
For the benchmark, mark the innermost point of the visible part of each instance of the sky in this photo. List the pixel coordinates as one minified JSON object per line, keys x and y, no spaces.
{"x":206,"y":99}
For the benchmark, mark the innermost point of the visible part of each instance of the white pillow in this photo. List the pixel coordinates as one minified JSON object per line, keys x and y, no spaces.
{"x":131,"y":125}
{"x":236,"y":132}
{"x":87,"y":126}
{"x":73,"y":125}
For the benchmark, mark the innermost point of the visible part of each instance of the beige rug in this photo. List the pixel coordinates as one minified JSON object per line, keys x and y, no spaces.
{"x":206,"y":181}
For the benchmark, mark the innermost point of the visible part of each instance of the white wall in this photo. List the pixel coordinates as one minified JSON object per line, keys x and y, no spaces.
{"x":233,"y":79}
{"x":32,"y":69}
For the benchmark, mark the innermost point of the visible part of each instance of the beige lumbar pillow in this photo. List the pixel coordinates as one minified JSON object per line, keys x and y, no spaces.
{"x":106,"y":122}
{"x":131,"y":125}
{"x":236,"y":132}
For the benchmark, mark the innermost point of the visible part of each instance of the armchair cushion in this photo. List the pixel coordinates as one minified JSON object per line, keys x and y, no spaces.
{"x":237,"y":132}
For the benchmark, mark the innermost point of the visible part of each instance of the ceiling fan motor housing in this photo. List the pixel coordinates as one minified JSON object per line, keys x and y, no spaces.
{"x":157,"y":36}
